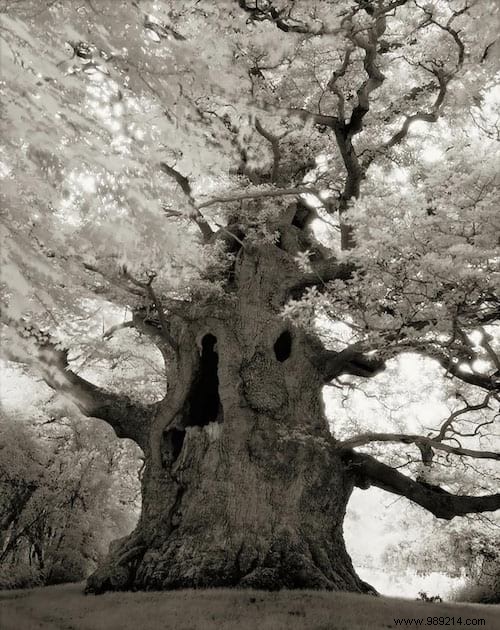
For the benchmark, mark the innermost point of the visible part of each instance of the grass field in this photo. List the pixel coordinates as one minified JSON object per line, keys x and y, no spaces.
{"x":66,"y":608}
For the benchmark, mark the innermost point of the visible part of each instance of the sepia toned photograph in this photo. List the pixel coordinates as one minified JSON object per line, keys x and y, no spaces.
{"x":250,"y":314}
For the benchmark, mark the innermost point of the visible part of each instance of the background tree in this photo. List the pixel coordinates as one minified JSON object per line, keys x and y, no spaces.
{"x":174,"y":159}
{"x":67,"y":491}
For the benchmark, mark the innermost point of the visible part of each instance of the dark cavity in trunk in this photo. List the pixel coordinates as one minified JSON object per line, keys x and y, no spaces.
{"x":205,"y":405}
{"x":283,"y":346}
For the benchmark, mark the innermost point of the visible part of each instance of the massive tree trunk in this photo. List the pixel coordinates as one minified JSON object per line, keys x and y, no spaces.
{"x":241,"y":486}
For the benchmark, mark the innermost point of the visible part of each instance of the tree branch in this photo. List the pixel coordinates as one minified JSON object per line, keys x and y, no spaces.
{"x":351,"y":360}
{"x":259,"y":194}
{"x":443,"y":78}
{"x":345,"y":131}
{"x":448,"y":423}
{"x":375,"y":77}
{"x":484,"y":381}
{"x":428,"y":116}
{"x":283,"y":22}
{"x":275,"y":147}
{"x":156,"y":303}
{"x":332,"y":83}
{"x":418,"y":440}
{"x":129,"y":419}
{"x":452,"y":364}
{"x":185,"y":186}
{"x":323,"y":271}
{"x":443,"y":504}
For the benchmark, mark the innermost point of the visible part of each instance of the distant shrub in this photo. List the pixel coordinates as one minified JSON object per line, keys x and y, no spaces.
{"x":19,"y":576}
{"x":478,"y":593}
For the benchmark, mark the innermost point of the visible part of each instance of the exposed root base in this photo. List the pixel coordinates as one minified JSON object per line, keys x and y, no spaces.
{"x":131,"y":567}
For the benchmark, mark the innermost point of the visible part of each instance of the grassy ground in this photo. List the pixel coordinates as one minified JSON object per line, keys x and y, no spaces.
{"x":66,"y":608}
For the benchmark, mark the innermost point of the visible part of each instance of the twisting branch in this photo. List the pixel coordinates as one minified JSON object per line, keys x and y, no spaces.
{"x":345,"y":131}
{"x":375,"y":76}
{"x":156,"y":302}
{"x":448,"y":423}
{"x":116,"y":280}
{"x":443,"y":78}
{"x":141,"y":319}
{"x":185,"y":186}
{"x":452,"y":365}
{"x":369,"y":471}
{"x":146,"y":325}
{"x":447,"y":28}
{"x":485,"y":343}
{"x":430,"y":116}
{"x":275,"y":147}
{"x":36,"y":348}
{"x":332,"y":83}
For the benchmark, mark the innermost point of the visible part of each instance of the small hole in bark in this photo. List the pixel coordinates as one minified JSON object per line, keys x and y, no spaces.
{"x":283,"y":346}
{"x":205,"y":405}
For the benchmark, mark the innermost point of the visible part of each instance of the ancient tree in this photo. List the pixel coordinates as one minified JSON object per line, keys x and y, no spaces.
{"x":230,"y":173}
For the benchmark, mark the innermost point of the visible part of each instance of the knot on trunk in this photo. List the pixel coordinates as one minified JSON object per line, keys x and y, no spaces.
{"x":264,"y":386}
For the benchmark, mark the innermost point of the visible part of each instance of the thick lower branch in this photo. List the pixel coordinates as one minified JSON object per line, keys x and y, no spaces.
{"x":442,"y":504}
{"x":129,"y":419}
